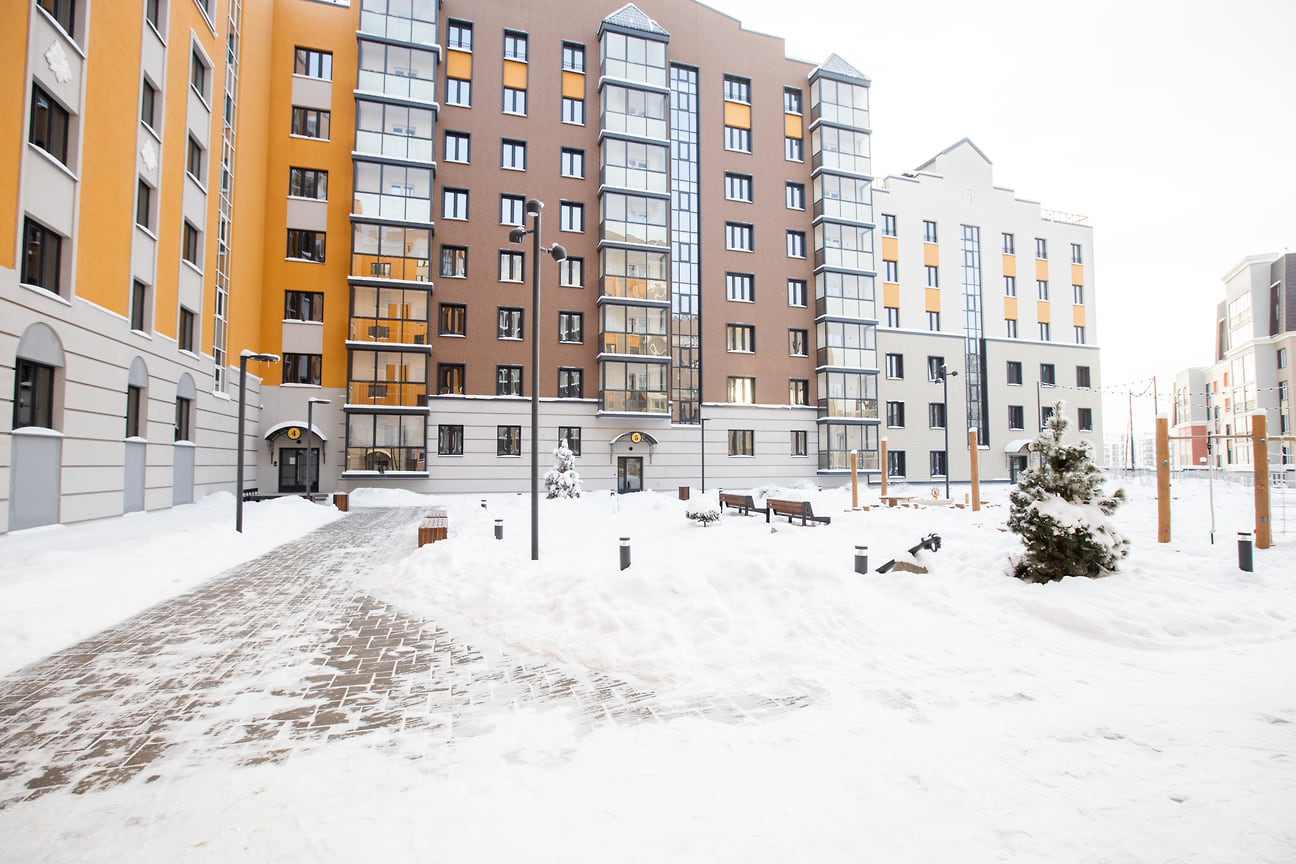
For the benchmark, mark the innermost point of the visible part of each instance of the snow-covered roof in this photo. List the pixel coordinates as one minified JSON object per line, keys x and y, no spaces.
{"x":631,"y":17}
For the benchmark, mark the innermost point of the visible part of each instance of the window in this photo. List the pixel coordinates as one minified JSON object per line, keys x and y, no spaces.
{"x":198,"y":76}
{"x":458,"y":92}
{"x":892,"y":316}
{"x":134,"y":402}
{"x":1041,"y":289}
{"x":740,"y":338}
{"x":1084,"y":416}
{"x":139,"y":306}
{"x":739,"y":286}
{"x":310,"y":123}
{"x":933,"y":276}
{"x":741,"y":388}
{"x":306,"y":245}
{"x":573,"y":111}
{"x":453,"y":319}
{"x":737,"y":139}
{"x":449,"y":440}
{"x":573,"y":57}
{"x":1044,"y":331}
{"x":515,"y":46}
{"x":936,"y":415}
{"x":1009,"y":245}
{"x":573,"y":163}
{"x":33,"y":395}
{"x":738,"y":187}
{"x":1076,"y":256}
{"x":929,"y":231}
{"x":512,"y":210}
{"x":303,"y":306}
{"x":572,"y":435}
{"x":457,"y":147}
{"x":798,"y":391}
{"x":454,"y":262}
{"x":1079,"y":335}
{"x":799,"y":442}
{"x":1045,"y":413}
{"x":742,"y":442}
{"x":1041,"y":248}
{"x":1047,"y":374}
{"x":510,"y":266}
{"x":454,"y":204}
{"x":571,"y":327}
{"x":513,"y":155}
{"x":49,"y":125}
{"x":793,"y":149}
{"x":895,"y":463}
{"x":890,"y":271}
{"x":183,"y":419}
{"x":61,"y":11}
{"x":571,"y":383}
{"x":508,"y":380}
{"x":798,"y":343}
{"x":302,"y":368}
{"x":308,"y":183}
{"x":738,"y":236}
{"x":933,"y":322}
{"x":459,"y":35}
{"x":895,"y":415}
{"x":791,"y":100}
{"x":194,"y":161}
{"x":795,"y":195}
{"x":1010,"y":328}
{"x":1082,"y":377}
{"x":1016,"y":417}
{"x":571,"y":216}
{"x":1077,"y":295}
{"x":796,"y":244}
{"x":185,"y":340}
{"x":313,"y":64}
{"x":1282,"y":358}
{"x":1014,"y":372}
{"x":571,"y":273}
{"x":934,"y":365}
{"x":888,"y":225}
{"x":508,"y":440}
{"x":148,"y":105}
{"x":737,"y":89}
{"x":450,"y":379}
{"x":937,"y":458}
{"x":192,"y":249}
{"x":895,"y":366}
{"x":510,"y":323}
{"x":1010,"y":286}
{"x":796,"y":292}
{"x":144,"y":205}
{"x":515,"y":101}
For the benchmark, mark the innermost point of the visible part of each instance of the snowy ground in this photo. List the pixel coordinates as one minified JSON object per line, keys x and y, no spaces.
{"x":958,"y":715}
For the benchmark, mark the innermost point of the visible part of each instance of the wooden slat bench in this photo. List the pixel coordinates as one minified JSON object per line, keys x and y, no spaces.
{"x":793,"y":510}
{"x":434,"y":527}
{"x":742,"y":503}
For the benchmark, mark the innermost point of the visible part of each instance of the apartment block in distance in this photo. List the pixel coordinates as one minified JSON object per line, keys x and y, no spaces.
{"x":996,"y":289}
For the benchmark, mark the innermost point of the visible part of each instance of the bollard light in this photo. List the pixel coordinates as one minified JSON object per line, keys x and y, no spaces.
{"x":1244,"y":551}
{"x":861,"y":559}
{"x":499,"y":529}
{"x":625,"y":552}
{"x":483,"y":502}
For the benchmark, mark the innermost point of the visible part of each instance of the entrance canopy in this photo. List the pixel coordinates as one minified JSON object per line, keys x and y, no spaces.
{"x":1017,"y":445}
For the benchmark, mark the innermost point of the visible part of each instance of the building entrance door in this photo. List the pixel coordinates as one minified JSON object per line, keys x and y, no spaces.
{"x":1016,"y":465}
{"x":292,"y":470}
{"x":629,"y":474}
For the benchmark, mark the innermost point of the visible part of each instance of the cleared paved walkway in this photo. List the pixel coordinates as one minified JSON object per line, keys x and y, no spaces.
{"x":280,"y":655}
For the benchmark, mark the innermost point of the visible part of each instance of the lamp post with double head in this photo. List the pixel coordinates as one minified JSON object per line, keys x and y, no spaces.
{"x":518,"y":235}
{"x":310,"y":439}
{"x":944,"y":374}
{"x":244,"y":357}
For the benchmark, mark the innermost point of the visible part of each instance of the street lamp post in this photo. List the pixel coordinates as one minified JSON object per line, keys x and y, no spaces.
{"x":944,"y":375}
{"x":310,"y":441}
{"x":244,"y":357}
{"x":702,"y":441}
{"x":517,"y":235}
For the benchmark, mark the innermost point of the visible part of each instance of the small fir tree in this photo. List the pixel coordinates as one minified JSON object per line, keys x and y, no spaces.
{"x":562,"y":481}
{"x":1060,"y":512}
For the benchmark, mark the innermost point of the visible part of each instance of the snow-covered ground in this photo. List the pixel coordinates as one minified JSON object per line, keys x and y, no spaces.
{"x":957,"y":715}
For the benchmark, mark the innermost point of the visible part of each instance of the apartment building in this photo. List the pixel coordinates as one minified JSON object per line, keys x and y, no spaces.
{"x":998,"y":292}
{"x":1188,"y":422}
{"x":368,"y":192}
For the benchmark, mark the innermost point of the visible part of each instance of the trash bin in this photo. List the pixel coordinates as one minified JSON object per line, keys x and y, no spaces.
{"x":684,"y":493}
{"x":340,"y":501}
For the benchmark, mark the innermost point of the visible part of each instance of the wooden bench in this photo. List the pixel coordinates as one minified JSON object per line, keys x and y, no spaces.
{"x":434,"y":527}
{"x":793,"y":510}
{"x":742,"y":503}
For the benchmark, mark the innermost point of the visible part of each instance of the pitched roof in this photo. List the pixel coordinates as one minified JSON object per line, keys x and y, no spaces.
{"x":839,"y":68}
{"x":631,"y":17}
{"x":950,"y":149}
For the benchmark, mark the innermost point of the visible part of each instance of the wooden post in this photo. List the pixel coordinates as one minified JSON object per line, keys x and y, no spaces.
{"x":854,"y":480}
{"x":1260,"y":459}
{"x":975,"y":457}
{"x":883,"y":466}
{"x":1163,"y":478}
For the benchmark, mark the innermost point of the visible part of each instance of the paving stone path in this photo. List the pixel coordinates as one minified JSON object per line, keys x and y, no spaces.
{"x":279,"y":656}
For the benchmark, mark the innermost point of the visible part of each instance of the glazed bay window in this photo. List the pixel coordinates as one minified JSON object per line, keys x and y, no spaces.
{"x":632,"y":387}
{"x":510,"y":323}
{"x":33,"y":401}
{"x":48,"y":128}
{"x":450,"y":379}
{"x":740,"y":338}
{"x":632,"y":58}
{"x":844,"y":343}
{"x":571,"y":272}
{"x":840,"y":150}
{"x":843,"y":246}
{"x":399,"y":20}
{"x":635,"y":329}
{"x":740,"y":388}
{"x":849,"y":198}
{"x":508,"y":380}
{"x":449,"y":440}
{"x":308,"y":183}
{"x":394,"y":378}
{"x":397,"y":131}
{"x":304,"y":306}
{"x":313,"y":64}
{"x":390,"y":252}
{"x":635,"y":274}
{"x":452,"y":319}
{"x":454,"y":262}
{"x":838,"y":440}
{"x":849,"y":394}
{"x":302,"y":368}
{"x":572,"y":435}
{"x":634,"y":112}
{"x":397,"y":71}
{"x":306,"y":245}
{"x":849,"y":295}
{"x":635,"y":165}
{"x":839,"y":102}
{"x":386,"y":442}
{"x":397,"y":192}
{"x":571,"y":383}
{"x":389,"y":314}
{"x":310,"y":123}
{"x":510,"y":267}
{"x":742,"y":442}
{"x":508,"y":440}
{"x":635,"y":219}
{"x":571,"y":327}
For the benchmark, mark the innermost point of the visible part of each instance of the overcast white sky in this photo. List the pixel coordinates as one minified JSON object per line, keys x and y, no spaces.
{"x":1170,"y":125}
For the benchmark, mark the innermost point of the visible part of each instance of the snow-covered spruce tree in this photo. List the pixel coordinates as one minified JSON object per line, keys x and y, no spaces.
{"x":562,"y":481}
{"x":1060,"y":512}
